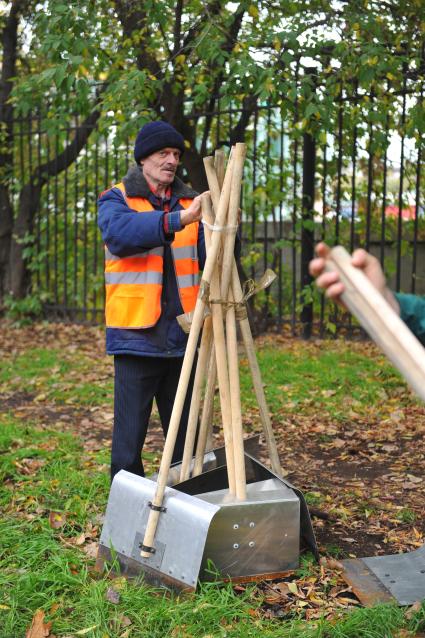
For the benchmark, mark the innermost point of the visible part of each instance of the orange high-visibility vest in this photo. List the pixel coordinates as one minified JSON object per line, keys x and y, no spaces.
{"x":134,"y":284}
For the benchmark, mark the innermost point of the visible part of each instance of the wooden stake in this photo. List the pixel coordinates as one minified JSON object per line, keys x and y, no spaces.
{"x":197,"y":321}
{"x":221,"y":361}
{"x":192,"y":423}
{"x":247,"y":339}
{"x":235,"y":401}
{"x":207,"y":415}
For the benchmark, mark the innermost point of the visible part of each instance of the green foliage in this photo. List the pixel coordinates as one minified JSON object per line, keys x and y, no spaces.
{"x":24,"y":311}
{"x":316,"y":61}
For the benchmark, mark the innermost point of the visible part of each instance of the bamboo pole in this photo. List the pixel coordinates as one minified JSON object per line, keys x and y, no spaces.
{"x":197,"y":321}
{"x":206,"y":425}
{"x":235,"y":401}
{"x":247,"y":339}
{"x":221,"y":361}
{"x":231,"y":344}
{"x":192,"y":423}
{"x":232,"y":219}
{"x":206,"y":417}
{"x":229,"y":385}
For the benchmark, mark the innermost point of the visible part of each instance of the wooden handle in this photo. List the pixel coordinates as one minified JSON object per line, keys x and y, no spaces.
{"x":221,"y":360}
{"x":239,"y":154}
{"x":257,"y":382}
{"x":248,"y":340}
{"x":192,"y":422}
{"x":235,"y":401}
{"x":379,"y":320}
{"x":205,"y":427}
{"x":197,"y":321}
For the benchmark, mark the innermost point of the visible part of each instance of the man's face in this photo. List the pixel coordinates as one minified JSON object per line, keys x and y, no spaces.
{"x":160,"y":167}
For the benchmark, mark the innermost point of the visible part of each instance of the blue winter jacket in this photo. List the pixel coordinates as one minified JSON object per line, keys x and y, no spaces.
{"x":126,"y":232}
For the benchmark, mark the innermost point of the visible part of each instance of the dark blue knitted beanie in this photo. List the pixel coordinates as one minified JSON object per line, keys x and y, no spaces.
{"x":154,"y":136}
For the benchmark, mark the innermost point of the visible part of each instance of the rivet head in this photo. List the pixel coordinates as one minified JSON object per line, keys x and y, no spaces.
{"x":235,"y":545}
{"x":235,"y":526}
{"x":251,"y":544}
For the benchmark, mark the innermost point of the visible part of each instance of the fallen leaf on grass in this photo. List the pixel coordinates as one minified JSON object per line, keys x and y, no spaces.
{"x":112,"y":595}
{"x":81,"y":539}
{"x":57,"y":520}
{"x":90,"y":549}
{"x":83,"y":632}
{"x":331,"y":563}
{"x":125,"y":621}
{"x":38,"y":628}
{"x":281,"y":588}
{"x":119,"y":623}
{"x":28,"y":466}
{"x":411,"y":611}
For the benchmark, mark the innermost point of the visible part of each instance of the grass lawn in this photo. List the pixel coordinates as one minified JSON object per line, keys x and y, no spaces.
{"x":339,"y":412}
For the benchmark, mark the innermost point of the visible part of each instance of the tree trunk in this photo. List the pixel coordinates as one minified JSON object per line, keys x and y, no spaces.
{"x":20,"y":277}
{"x":6,"y":226}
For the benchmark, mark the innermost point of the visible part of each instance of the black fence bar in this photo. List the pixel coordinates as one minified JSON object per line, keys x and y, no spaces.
{"x":384,"y":193}
{"x":356,"y":202}
{"x":400,"y":192}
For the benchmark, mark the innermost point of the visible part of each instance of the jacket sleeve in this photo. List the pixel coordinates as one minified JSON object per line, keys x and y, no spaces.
{"x":126,"y":232}
{"x":412,"y":311}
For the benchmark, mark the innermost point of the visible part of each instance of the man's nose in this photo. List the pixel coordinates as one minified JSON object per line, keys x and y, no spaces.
{"x":172,"y":159}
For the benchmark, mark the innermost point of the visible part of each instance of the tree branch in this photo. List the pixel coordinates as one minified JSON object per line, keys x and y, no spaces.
{"x":70,"y":153}
{"x":133,"y":17}
{"x":177,"y":26}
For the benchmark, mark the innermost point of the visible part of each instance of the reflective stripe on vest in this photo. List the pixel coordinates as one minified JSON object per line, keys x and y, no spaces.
{"x":134,"y":283}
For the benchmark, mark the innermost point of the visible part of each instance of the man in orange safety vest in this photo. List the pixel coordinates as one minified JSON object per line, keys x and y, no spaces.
{"x":154,"y":249}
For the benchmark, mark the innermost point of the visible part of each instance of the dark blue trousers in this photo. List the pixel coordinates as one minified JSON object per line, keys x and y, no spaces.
{"x":138,"y":380}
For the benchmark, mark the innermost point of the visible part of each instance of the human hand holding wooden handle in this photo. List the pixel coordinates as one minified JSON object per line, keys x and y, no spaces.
{"x":194,"y":212}
{"x":330,"y":280}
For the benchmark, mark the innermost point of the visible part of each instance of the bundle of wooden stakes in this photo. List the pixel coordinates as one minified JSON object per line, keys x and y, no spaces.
{"x":221,"y":291}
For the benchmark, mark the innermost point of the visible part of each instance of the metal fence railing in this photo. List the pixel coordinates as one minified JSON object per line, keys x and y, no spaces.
{"x":356,"y":180}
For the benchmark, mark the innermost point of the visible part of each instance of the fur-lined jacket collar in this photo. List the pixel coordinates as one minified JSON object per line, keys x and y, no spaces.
{"x":137,"y":186}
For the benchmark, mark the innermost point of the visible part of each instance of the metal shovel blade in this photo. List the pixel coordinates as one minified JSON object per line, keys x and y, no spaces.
{"x":382,"y":579}
{"x":180,"y":538}
{"x":203,"y":527}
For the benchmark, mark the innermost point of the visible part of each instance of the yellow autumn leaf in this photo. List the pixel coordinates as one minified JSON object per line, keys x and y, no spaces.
{"x":83,"y":632}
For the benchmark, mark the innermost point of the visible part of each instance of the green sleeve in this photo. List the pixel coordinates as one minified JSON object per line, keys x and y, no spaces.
{"x":412,"y":311}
